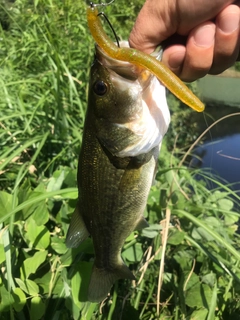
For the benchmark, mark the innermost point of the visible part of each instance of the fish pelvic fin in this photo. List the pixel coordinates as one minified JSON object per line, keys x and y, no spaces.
{"x":141,"y":224}
{"x":77,"y":231}
{"x":102,"y":280}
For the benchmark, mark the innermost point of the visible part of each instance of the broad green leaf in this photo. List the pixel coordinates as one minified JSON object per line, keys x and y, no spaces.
{"x":51,"y":282}
{"x":176,"y":238}
{"x":154,"y":226}
{"x":19,"y":299}
{"x":28,"y":210}
{"x":133,"y":253}
{"x":179,"y":201}
{"x":36,"y":3}
{"x":145,"y":213}
{"x":197,"y":294}
{"x":153,"y":196}
{"x":230,"y":218}
{"x":225,"y":204}
{"x":200,"y":314}
{"x":209,"y":279}
{"x":195,"y":234}
{"x":86,"y":247}
{"x":30,"y":265}
{"x":74,"y":310}
{"x":153,"y":215}
{"x":40,"y":214}
{"x":212,"y":232}
{"x":71,"y":178}
{"x":65,"y":283}
{"x":173,"y":180}
{"x":6,"y":203}
{"x":185,"y":258}
{"x":213,"y":222}
{"x":203,"y":234}
{"x":25,"y":193}
{"x":152,"y":231}
{"x":2,"y":253}
{"x":56,"y":181}
{"x":131,"y":237}
{"x":71,"y":195}
{"x":80,"y":282}
{"x":59,"y":194}
{"x":28,"y":286}
{"x":88,"y":310}
{"x":58,"y":245}
{"x":192,"y":281}
{"x":6,"y":299}
{"x":37,"y":308}
{"x":38,"y":236}
{"x":213,"y":304}
{"x":216,"y":196}
{"x":193,"y":296}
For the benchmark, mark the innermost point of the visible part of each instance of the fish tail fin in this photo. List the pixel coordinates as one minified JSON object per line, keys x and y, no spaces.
{"x":102,"y":280}
{"x":77,"y":231}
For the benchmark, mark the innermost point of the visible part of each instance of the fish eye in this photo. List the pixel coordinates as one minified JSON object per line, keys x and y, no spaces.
{"x":100,"y":88}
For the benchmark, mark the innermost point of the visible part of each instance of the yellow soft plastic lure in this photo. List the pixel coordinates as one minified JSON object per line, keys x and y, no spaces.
{"x":138,"y":58}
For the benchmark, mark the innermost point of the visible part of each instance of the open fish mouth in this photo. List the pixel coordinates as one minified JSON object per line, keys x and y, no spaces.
{"x":150,"y":124}
{"x":123,"y":68}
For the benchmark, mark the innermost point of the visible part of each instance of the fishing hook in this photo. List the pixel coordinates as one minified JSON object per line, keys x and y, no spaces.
{"x":92,"y":5}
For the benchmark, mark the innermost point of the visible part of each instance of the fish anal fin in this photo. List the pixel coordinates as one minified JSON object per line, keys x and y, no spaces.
{"x":77,"y":231}
{"x":141,"y":224}
{"x":102,"y":280}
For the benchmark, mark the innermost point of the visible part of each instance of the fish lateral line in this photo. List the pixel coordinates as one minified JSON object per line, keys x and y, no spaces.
{"x":139,"y":58}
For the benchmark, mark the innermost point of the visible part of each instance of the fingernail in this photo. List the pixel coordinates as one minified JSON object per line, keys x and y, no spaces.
{"x":175,"y":60}
{"x":229,"y":22}
{"x":204,"y":36}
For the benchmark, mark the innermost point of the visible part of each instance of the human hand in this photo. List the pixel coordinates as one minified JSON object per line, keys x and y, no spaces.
{"x":210,"y":30}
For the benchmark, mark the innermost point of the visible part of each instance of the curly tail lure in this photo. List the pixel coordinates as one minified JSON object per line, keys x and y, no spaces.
{"x":138,"y":58}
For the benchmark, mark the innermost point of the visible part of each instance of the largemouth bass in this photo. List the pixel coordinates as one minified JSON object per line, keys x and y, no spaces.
{"x":127,"y":117}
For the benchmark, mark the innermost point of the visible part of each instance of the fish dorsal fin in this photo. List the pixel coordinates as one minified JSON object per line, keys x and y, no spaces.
{"x":141,"y":224}
{"x":77,"y":231}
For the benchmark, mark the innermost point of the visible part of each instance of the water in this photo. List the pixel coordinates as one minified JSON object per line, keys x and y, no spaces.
{"x":222,"y":157}
{"x":220,"y":151}
{"x":221,"y":90}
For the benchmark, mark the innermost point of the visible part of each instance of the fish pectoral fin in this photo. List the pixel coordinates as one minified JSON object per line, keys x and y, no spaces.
{"x":129,"y":179}
{"x":113,"y":136}
{"x":77,"y":231}
{"x":133,"y":171}
{"x":141,"y":224}
{"x":102,"y":280}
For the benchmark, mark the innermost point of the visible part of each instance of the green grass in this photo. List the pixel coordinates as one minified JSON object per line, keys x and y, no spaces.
{"x":186,"y":263}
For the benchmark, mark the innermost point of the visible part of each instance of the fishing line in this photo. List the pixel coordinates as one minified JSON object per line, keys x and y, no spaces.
{"x":211,"y":156}
{"x":103,"y":4}
{"x":92,"y":5}
{"x":110,"y":25}
{"x":203,"y":134}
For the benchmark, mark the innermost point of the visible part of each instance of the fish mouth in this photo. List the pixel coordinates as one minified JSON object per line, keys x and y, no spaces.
{"x":125,"y":69}
{"x":123,"y":74}
{"x":150,"y":123}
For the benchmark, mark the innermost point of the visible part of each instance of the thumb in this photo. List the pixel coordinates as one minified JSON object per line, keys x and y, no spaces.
{"x":153,"y":25}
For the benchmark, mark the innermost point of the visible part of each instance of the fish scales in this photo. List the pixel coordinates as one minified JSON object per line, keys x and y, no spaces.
{"x":123,"y":130}
{"x":110,"y":214}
